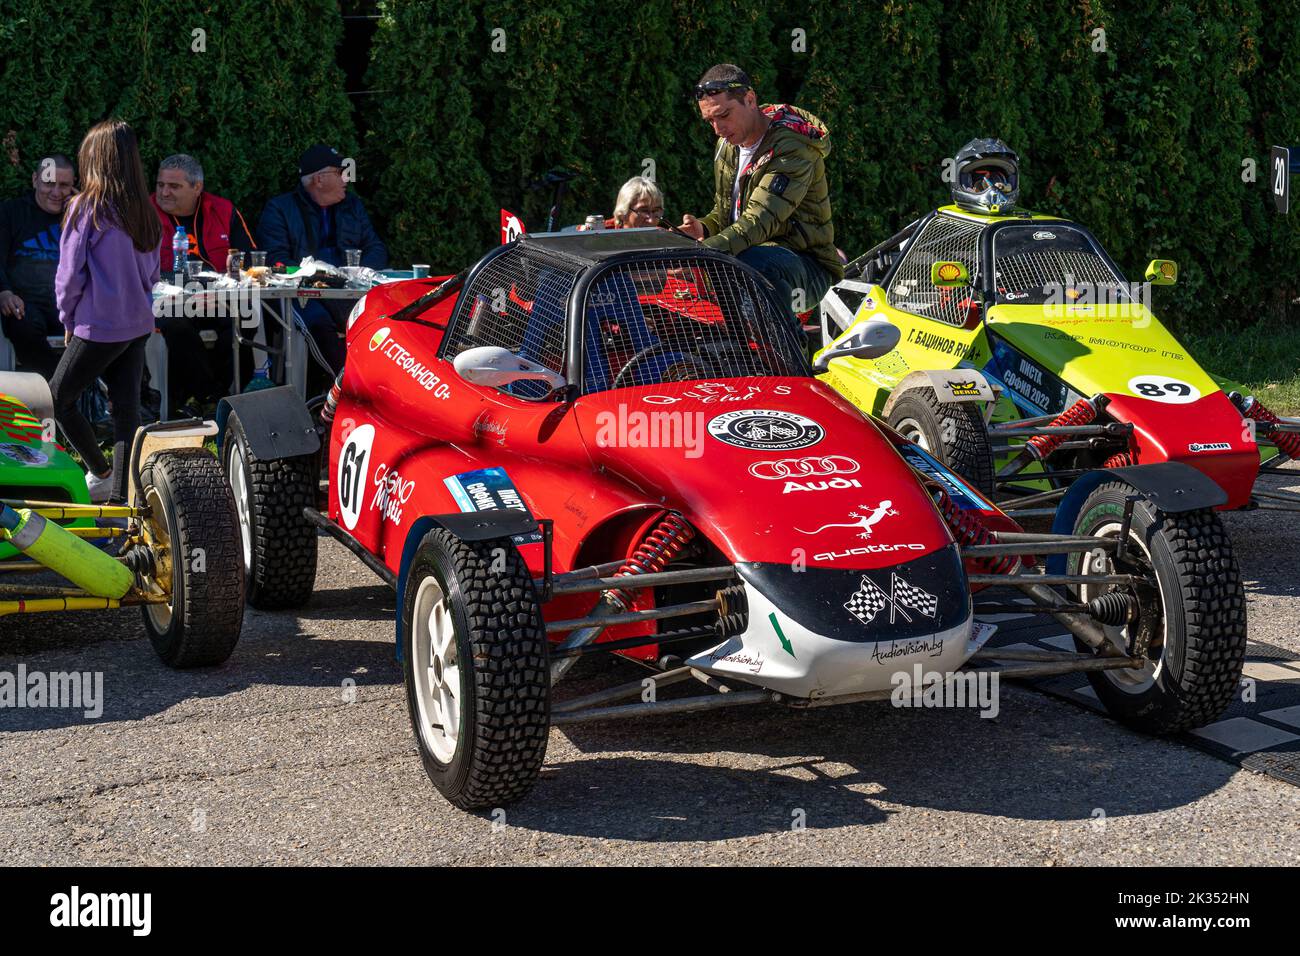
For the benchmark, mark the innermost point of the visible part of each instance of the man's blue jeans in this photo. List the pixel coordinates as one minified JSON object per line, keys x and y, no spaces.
{"x":788,"y":270}
{"x":325,"y":320}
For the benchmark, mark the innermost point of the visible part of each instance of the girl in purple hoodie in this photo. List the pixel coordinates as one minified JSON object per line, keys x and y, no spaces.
{"x":108,"y":264}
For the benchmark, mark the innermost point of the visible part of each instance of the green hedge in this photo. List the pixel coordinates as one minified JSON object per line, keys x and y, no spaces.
{"x":261,"y":89}
{"x":1134,"y":120}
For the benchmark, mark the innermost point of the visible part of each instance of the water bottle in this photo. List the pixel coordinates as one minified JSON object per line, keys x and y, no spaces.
{"x":180,"y":252}
{"x":261,"y":378}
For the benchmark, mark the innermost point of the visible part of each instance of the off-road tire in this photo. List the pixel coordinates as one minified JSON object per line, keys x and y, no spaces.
{"x":953,"y":432}
{"x":282,"y":554}
{"x":505,"y":689}
{"x":207,"y":606}
{"x":1204,"y":611}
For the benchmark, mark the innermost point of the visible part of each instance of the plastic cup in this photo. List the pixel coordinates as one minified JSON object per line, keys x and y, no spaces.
{"x":258,"y":257}
{"x":354,"y":257}
{"x":420,"y":270}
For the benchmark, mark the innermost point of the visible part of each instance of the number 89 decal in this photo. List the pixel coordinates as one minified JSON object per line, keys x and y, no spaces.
{"x":354,"y":466}
{"x":1162,"y":388}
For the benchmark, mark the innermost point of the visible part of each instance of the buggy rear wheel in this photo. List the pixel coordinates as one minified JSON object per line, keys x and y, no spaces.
{"x":279,"y":543}
{"x":1196,"y":630}
{"x":474,"y":659}
{"x":952,"y":432}
{"x":193,"y":539}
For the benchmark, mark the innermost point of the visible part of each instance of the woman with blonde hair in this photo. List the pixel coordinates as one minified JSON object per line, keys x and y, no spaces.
{"x":108,"y":265}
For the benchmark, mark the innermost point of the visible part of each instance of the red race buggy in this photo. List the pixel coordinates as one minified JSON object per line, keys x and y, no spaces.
{"x":611,"y":442}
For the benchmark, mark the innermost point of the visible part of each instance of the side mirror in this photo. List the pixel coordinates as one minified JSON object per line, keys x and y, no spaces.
{"x":1162,"y":272}
{"x":496,"y":367}
{"x":949,"y":275}
{"x":869,"y":339}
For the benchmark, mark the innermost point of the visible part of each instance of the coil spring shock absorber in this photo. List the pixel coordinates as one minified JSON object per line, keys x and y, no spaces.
{"x":968,"y":529}
{"x":1082,"y":412}
{"x":1120,"y":460}
{"x":332,"y":401}
{"x":1255,"y":410}
{"x":664,"y":543}
{"x":656,"y":551}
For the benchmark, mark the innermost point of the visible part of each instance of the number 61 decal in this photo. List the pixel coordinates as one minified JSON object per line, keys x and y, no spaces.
{"x":354,"y":466}
{"x":1162,"y":388}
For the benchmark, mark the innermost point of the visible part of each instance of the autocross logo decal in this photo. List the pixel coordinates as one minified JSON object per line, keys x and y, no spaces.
{"x":804,"y":467}
{"x":378,"y":338}
{"x":1209,"y":446}
{"x":766,"y":430}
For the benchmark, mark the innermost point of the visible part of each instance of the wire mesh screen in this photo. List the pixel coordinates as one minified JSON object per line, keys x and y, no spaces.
{"x":1034,"y":263}
{"x":518,"y":301}
{"x":943,"y":239}
{"x":677,"y":320}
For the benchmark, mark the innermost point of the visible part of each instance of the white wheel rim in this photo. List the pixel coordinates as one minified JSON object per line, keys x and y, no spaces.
{"x":239,"y":488}
{"x":1098,"y":562}
{"x":436,"y":666}
{"x":911,"y":429}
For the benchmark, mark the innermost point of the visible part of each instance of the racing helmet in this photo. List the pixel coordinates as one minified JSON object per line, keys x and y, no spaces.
{"x":988,"y":177}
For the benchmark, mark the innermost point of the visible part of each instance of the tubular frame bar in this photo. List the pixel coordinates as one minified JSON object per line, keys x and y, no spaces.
{"x":630,"y":689}
{"x":636,"y":581}
{"x":1025,"y":580}
{"x":339,"y":535}
{"x":633,"y":617}
{"x":685,"y":705}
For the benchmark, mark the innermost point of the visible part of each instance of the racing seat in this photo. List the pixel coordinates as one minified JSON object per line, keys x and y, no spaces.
{"x":544,"y":331}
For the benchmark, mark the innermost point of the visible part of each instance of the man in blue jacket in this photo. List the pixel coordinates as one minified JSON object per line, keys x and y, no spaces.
{"x":320,"y":219}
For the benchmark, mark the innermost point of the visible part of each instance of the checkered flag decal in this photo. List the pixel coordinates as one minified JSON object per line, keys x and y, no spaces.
{"x":867,"y":601}
{"x":907,"y":595}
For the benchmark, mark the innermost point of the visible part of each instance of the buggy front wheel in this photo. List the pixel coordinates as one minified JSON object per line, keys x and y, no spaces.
{"x":474,"y":659}
{"x":1192,"y":624}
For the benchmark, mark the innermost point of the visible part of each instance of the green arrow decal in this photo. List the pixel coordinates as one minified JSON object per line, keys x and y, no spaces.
{"x":776,"y":626}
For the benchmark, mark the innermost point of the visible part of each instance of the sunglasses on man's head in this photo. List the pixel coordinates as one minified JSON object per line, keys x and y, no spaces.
{"x":714,"y":87}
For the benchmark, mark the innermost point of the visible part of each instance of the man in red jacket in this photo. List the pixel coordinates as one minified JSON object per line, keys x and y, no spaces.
{"x":213,"y":224}
{"x":214,"y":227}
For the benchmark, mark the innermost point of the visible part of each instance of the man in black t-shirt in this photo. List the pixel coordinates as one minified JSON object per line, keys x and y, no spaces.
{"x":30,"y":226}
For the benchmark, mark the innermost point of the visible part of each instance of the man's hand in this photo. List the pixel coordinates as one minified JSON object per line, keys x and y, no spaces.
{"x":10,"y":304}
{"x":67,"y":338}
{"x":691,"y":226}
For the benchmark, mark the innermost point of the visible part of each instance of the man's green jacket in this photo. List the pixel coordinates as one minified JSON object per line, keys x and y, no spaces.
{"x":784,"y":198}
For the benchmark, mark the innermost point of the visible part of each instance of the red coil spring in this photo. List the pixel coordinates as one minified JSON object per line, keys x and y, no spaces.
{"x":332,"y":401}
{"x":968,"y":529}
{"x":660,"y":547}
{"x":1120,"y":460}
{"x":1288,"y":442}
{"x":1082,"y":412}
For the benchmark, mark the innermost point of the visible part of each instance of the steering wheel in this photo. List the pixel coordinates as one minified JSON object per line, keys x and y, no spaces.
{"x":640,"y":357}
{"x":736,"y":355}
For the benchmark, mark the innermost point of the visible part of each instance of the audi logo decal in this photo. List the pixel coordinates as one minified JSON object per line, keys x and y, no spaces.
{"x":814,"y":467}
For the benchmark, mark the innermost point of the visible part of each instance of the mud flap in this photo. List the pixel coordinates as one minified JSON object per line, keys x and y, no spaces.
{"x":276,"y":423}
{"x":950,"y":385}
{"x":1171,"y":486}
{"x":468,"y":526}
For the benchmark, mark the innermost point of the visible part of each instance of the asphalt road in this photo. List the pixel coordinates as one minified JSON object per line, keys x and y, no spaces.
{"x":267,"y":760}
